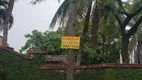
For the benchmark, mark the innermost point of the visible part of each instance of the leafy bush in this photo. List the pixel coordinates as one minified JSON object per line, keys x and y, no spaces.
{"x":13,"y":67}
{"x":2,"y":75}
{"x":17,"y":68}
{"x":110,"y":74}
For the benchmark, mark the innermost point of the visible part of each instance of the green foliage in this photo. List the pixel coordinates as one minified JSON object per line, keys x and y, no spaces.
{"x":14,"y":67}
{"x":110,"y":74}
{"x":90,"y":75}
{"x":2,"y":75}
{"x":123,"y":74}
{"x":106,"y":50}
{"x":115,"y":16}
{"x":47,"y":41}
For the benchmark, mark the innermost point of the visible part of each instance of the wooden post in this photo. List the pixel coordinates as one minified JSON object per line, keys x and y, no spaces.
{"x":71,"y":24}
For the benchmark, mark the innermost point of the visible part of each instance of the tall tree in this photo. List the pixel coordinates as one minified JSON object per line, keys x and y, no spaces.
{"x":3,"y":9}
{"x":125,"y":15}
{"x":71,"y":27}
{"x":85,"y":30}
{"x":6,"y":22}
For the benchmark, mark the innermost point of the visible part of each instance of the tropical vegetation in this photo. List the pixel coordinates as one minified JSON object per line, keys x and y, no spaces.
{"x":112,"y":14}
{"x":14,"y":67}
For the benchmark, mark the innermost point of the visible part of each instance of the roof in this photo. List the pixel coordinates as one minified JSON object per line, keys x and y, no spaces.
{"x":1,"y":37}
{"x":36,"y":52}
{"x":16,"y":53}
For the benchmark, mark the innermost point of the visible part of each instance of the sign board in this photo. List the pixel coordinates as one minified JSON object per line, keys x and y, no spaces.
{"x":70,"y":42}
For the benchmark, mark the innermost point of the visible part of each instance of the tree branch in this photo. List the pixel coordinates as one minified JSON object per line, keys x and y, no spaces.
{"x":125,"y":13}
{"x":119,"y":21}
{"x":136,"y":12}
{"x":126,"y":21}
{"x":133,"y":30}
{"x":120,"y":3}
{"x":129,"y":17}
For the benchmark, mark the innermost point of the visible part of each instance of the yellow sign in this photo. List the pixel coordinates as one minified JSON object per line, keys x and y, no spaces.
{"x":70,"y":42}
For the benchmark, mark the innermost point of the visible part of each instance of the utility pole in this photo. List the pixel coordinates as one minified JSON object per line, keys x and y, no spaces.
{"x":71,"y":26}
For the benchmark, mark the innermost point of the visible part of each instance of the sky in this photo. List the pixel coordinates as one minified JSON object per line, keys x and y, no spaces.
{"x":28,"y":17}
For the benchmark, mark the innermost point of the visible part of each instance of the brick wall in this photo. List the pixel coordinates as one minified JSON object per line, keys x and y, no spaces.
{"x":0,"y":41}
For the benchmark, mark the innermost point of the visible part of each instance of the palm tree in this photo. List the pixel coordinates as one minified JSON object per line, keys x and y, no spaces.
{"x":7,"y":18}
{"x":71,"y":25}
{"x":84,"y":7}
{"x":3,"y":8}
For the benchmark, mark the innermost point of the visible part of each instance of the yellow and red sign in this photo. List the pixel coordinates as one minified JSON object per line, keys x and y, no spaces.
{"x":70,"y":42}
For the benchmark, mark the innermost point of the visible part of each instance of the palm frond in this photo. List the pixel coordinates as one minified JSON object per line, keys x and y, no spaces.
{"x":36,"y":1}
{"x":3,"y":10}
{"x":60,"y":14}
{"x":11,"y":21}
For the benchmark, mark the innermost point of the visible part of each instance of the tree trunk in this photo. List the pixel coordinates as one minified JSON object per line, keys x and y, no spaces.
{"x":6,"y":21}
{"x":85,"y":30}
{"x":124,"y":51}
{"x":71,"y":25}
{"x":95,"y":24}
{"x":80,"y":50}
{"x":5,"y":34}
{"x":70,"y":65}
{"x":136,"y":55}
{"x":139,"y":51}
